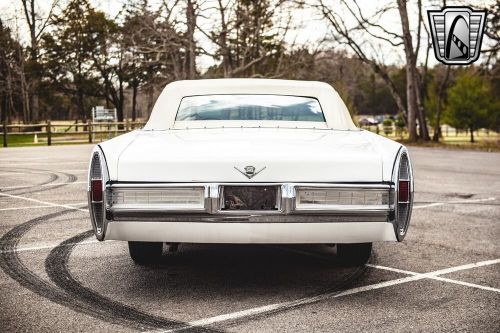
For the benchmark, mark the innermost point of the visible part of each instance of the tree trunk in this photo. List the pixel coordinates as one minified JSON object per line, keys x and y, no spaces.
{"x":424,"y":131}
{"x":471,"y":134}
{"x":10,"y":108}
{"x":25,"y":97}
{"x":119,"y":106}
{"x":419,"y":92}
{"x":411,"y":80}
{"x":439,"y":99}
{"x":150,"y":98}
{"x":34,"y":101}
{"x":226,"y":54}
{"x":3,"y":109}
{"x":81,"y":107}
{"x":31,"y":19}
{"x":191,"y":26}
{"x":411,"y":104}
{"x":134,"y":101}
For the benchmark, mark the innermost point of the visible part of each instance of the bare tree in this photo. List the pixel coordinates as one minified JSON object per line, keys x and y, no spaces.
{"x":10,"y":63}
{"x":365,"y":48}
{"x":439,"y":104}
{"x":160,"y":41}
{"x":411,"y":73}
{"x":191,"y":53}
{"x":346,"y":35}
{"x":439,"y":100}
{"x":248,"y":36}
{"x":492,"y":31}
{"x":36,"y":26}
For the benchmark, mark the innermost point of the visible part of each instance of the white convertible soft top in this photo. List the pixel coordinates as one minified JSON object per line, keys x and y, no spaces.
{"x":164,"y":112}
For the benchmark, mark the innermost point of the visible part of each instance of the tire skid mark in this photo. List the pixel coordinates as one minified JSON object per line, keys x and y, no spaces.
{"x":351,"y":279}
{"x":17,"y":270}
{"x":347,"y":282}
{"x":109,"y":311}
{"x":71,"y":294}
{"x":52,"y":178}
{"x":56,"y":266}
{"x":71,"y":179}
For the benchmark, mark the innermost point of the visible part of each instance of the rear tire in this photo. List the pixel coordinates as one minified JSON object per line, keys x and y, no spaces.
{"x":355,"y":254}
{"x":145,"y":253}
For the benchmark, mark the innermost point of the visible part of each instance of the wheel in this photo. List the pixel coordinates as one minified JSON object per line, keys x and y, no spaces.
{"x":144,"y":253}
{"x":356,"y":254}
{"x":172,"y":247}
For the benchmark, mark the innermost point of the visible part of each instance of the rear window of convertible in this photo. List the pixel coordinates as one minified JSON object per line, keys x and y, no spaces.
{"x":250,"y":107}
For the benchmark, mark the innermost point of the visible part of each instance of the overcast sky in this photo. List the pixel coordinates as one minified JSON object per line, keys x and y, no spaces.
{"x":310,"y":28}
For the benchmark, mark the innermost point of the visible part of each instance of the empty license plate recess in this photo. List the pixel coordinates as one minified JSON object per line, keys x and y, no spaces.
{"x":249,"y":198}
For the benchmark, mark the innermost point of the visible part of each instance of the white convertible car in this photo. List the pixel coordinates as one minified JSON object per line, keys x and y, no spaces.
{"x":250,"y":161}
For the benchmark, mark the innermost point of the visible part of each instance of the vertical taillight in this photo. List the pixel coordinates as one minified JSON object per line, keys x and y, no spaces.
{"x":404,"y":191}
{"x":96,"y":185}
{"x":404,"y":195}
{"x":96,"y":194}
{"x":96,"y":178}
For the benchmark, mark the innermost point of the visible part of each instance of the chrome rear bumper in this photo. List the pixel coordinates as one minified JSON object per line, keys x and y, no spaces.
{"x":286,"y":224}
{"x":252,"y":233}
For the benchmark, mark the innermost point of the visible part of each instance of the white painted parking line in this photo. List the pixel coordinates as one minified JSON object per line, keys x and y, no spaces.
{"x":42,"y":185}
{"x":19,"y":165}
{"x":309,"y":300}
{"x":439,"y":278}
{"x":47,"y":247}
{"x":42,"y":202}
{"x":467,"y":284}
{"x":38,"y":207}
{"x":401,"y":271}
{"x":434,"y":204}
{"x":40,"y":172}
{"x":25,"y":207}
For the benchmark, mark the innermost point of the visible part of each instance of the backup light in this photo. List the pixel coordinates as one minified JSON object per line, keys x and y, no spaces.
{"x":183,"y":198}
{"x":332,"y":198}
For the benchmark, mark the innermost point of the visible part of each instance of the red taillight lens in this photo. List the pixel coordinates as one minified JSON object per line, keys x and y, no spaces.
{"x":96,"y":186}
{"x":404,"y":191}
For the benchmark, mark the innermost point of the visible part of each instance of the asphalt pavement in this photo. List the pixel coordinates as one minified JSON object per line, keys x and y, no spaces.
{"x":55,"y":276}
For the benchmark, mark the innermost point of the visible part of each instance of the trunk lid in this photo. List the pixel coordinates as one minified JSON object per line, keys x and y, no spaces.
{"x":278,"y":155}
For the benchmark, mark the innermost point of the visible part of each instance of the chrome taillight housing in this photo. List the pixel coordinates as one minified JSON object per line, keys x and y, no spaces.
{"x":403,"y":180}
{"x":98,"y":177}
